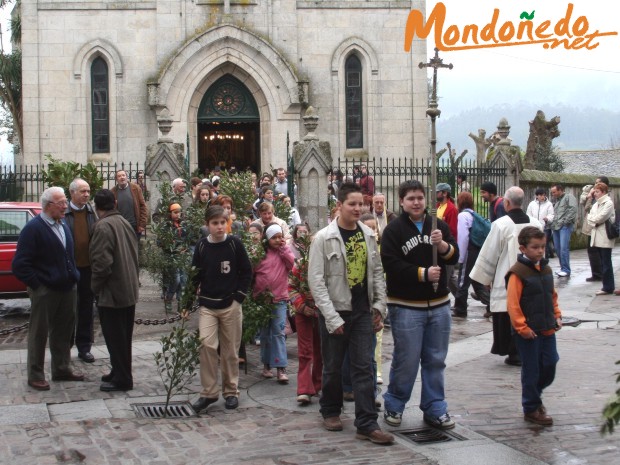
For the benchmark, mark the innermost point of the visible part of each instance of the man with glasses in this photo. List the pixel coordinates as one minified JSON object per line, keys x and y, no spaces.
{"x":44,"y":261}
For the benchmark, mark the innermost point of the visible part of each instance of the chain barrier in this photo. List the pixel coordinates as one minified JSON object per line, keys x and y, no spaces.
{"x":163,"y":321}
{"x":138,"y":321}
{"x":6,"y":332}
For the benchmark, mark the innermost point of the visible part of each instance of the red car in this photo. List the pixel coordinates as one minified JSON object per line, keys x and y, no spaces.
{"x":13,"y":217}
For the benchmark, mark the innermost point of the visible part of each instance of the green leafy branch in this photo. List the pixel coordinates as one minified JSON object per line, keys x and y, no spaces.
{"x":178,"y":359}
{"x":238,"y":187}
{"x":61,"y":173}
{"x":257,"y":313}
{"x":180,"y":349}
{"x":611,"y":412}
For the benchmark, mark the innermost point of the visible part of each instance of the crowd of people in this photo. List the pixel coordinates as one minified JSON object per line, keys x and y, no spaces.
{"x":336,"y":288}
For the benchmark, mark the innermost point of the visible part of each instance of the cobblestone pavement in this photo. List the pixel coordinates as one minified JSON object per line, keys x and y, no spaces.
{"x":85,"y":425}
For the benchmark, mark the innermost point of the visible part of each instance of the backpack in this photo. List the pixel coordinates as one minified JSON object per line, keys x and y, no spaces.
{"x":479,"y":229}
{"x":496,"y":204}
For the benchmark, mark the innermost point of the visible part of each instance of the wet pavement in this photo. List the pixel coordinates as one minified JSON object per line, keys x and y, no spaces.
{"x":77,"y":423}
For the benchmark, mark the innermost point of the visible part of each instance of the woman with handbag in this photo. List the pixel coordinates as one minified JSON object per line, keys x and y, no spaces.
{"x":601,"y":212}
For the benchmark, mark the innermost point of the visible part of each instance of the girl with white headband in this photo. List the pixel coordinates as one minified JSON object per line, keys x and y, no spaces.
{"x":271,"y":274}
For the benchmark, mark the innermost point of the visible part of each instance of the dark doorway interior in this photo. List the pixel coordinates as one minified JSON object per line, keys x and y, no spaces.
{"x":228,"y":126}
{"x":228,"y":144}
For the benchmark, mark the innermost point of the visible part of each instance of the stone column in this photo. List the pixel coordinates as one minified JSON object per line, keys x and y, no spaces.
{"x":506,"y":153}
{"x":165,"y":160}
{"x":313,"y":161}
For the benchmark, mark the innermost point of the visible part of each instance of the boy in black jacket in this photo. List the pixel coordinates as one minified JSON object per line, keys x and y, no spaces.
{"x":224,"y":277}
{"x":419,"y":314}
{"x":535,"y":316}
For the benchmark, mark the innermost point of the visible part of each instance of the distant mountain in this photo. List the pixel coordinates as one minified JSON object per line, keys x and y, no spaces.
{"x":581,"y":128}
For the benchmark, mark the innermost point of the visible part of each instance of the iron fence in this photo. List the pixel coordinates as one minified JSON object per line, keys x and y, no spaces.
{"x":25,"y":183}
{"x":388,"y":174}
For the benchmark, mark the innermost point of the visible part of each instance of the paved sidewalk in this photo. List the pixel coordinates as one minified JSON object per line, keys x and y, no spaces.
{"x":77,"y":423}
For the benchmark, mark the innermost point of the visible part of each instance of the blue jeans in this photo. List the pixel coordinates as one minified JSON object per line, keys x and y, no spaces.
{"x":539,"y":357}
{"x":272,"y":338}
{"x":421,"y":337}
{"x":175,"y":281}
{"x":608,"y":270}
{"x":561,"y":241}
{"x":357,"y":338}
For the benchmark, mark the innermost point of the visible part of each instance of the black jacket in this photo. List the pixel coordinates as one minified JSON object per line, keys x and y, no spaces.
{"x":537,"y":297}
{"x":224,"y":272}
{"x":406,"y":254}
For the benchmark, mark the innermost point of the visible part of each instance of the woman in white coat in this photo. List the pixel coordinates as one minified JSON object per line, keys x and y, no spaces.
{"x":601,"y":211}
{"x":542,"y":209}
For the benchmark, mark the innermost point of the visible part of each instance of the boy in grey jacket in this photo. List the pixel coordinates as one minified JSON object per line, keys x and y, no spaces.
{"x":346,"y":280}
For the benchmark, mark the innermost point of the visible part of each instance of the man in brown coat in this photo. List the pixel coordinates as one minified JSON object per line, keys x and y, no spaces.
{"x":130,"y":202}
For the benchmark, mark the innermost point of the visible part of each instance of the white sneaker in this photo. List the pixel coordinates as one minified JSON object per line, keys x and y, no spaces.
{"x":393,"y":418}
{"x":562,"y":274}
{"x":442,"y":422}
{"x":303,"y":399}
{"x":379,"y":380}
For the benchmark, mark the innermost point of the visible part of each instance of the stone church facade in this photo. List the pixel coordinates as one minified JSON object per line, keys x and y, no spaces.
{"x":228,"y":79}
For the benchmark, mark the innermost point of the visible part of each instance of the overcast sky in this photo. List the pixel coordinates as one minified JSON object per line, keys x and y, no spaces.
{"x":499,"y":75}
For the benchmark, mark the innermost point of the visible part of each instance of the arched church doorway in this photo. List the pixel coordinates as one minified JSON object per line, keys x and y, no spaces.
{"x":228,"y":127}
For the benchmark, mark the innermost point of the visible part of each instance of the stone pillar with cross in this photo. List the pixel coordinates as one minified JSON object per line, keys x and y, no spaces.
{"x":434,"y":112}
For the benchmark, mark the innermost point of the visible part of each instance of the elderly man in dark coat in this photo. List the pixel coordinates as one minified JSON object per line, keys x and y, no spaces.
{"x":44,"y":261}
{"x":114,"y":268}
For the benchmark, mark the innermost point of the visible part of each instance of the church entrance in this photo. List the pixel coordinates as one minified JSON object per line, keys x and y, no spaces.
{"x":228,"y":127}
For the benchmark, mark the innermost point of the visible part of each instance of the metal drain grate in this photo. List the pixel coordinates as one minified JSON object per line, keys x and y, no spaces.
{"x":428,"y":435}
{"x":157,"y":409}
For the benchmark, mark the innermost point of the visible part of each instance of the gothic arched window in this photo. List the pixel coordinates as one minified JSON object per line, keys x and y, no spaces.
{"x":100,"y":106}
{"x":353,"y":93}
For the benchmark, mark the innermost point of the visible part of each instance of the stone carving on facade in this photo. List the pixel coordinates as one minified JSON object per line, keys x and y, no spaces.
{"x":164,"y":123}
{"x":313,"y":161}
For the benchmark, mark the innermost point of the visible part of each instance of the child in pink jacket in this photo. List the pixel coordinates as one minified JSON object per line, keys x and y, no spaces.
{"x":271,"y":274}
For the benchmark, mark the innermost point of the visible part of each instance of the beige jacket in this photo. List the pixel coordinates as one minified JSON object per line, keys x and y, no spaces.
{"x":327,"y":274}
{"x":601,"y":211}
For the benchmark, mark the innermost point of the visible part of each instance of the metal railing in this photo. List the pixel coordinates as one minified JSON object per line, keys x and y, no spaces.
{"x":388,"y":174}
{"x":24,"y":183}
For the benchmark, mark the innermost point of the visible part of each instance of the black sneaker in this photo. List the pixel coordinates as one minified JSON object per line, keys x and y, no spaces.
{"x":458,"y":313}
{"x":232,"y":402}
{"x":442,"y":422}
{"x":86,"y":357}
{"x":202,"y":403}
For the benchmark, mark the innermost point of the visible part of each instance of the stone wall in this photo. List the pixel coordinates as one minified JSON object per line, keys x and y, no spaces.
{"x":139,"y":40}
